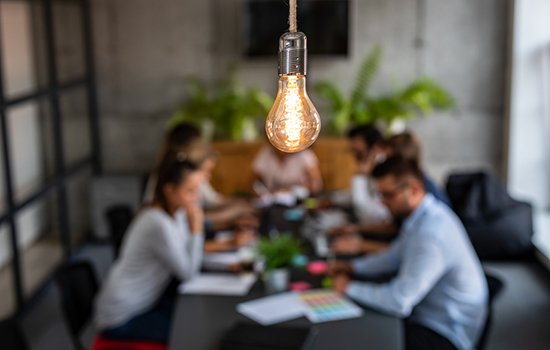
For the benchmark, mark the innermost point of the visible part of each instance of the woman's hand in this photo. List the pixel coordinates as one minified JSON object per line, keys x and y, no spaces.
{"x":342,"y":230}
{"x":338,"y":267}
{"x":347,"y":245}
{"x":244,"y":237}
{"x":367,"y":164}
{"x":195,"y":216}
{"x":247,"y":222}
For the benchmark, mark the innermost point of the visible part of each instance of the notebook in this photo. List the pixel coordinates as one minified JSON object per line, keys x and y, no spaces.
{"x":317,"y":305}
{"x":243,"y":336}
{"x":218,"y":284}
{"x":272,"y":309}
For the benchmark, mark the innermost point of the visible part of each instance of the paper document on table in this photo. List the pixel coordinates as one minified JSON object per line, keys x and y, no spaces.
{"x":331,"y":218}
{"x":220,"y":261}
{"x":218,"y":284}
{"x":285,"y":198}
{"x":273,"y":309}
{"x":266,"y":198}
{"x":224,"y":236}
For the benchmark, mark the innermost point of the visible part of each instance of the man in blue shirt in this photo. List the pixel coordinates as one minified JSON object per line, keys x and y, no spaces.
{"x":440,"y":286}
{"x":409,"y":146}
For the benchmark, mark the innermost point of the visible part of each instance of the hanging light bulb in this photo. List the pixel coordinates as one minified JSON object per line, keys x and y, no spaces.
{"x":293,"y":123}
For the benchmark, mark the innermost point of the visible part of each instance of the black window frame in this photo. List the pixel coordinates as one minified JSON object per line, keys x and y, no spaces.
{"x":63,"y":172}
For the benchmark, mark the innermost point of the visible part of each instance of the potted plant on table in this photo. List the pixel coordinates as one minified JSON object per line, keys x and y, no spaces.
{"x":278,"y":255}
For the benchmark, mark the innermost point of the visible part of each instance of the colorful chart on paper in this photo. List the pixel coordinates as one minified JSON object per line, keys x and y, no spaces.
{"x":323,"y":305}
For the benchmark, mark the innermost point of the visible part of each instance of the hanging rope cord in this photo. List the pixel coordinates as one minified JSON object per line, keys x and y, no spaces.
{"x":292,"y":21}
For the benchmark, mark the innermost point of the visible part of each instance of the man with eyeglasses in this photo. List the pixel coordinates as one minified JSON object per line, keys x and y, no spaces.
{"x":439,"y":286}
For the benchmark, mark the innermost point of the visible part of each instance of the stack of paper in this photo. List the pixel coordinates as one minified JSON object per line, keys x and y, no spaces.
{"x":272,"y":309}
{"x":220,"y":261}
{"x":219,"y":284}
{"x":317,"y":305}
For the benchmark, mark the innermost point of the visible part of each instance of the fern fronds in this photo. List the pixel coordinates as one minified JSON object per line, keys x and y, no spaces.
{"x":366,"y":74}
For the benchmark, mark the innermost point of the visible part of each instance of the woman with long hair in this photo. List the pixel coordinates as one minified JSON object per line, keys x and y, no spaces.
{"x":165,"y":241}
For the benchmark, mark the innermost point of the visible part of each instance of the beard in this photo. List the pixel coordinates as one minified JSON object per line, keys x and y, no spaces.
{"x":401,"y":212}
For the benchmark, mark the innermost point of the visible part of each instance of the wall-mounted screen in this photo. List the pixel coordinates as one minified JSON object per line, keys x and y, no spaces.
{"x":325,"y":23}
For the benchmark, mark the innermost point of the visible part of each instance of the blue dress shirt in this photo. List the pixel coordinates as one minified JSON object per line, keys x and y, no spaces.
{"x":439,"y":284}
{"x":437,"y":192}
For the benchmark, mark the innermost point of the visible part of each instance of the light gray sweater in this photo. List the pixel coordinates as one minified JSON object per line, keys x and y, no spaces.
{"x":156,"y":247}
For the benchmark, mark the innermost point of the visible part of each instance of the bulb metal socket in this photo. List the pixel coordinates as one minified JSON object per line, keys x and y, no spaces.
{"x":293,"y":54}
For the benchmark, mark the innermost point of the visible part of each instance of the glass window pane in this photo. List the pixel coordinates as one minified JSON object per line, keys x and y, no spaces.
{"x":30,"y":132}
{"x":23,"y":47}
{"x":76,"y":125}
{"x":39,"y":240}
{"x":8,"y":302}
{"x":3,"y":193}
{"x":78,"y":188}
{"x":69,"y":40}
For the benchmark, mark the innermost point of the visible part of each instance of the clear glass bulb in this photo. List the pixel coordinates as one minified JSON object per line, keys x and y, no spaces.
{"x":293,"y":123}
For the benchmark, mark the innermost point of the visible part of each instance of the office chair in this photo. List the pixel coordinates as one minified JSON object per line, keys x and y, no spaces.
{"x":11,"y":336}
{"x":495,"y":287}
{"x":78,"y":286}
{"x":119,"y":218}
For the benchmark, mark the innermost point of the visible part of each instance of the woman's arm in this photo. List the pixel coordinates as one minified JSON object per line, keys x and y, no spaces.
{"x":354,"y":245}
{"x":182,"y":260}
{"x":384,"y":228}
{"x":257,"y":186}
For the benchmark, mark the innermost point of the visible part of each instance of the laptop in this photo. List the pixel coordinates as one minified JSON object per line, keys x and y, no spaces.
{"x":245,"y":336}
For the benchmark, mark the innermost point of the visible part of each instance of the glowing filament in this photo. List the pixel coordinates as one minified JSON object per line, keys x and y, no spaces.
{"x":293,"y":112}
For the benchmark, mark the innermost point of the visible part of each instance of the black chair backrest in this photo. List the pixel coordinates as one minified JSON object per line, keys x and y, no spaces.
{"x":11,"y":337}
{"x":119,"y":218}
{"x":78,"y":286}
{"x":476,"y":196}
{"x":495,"y":287}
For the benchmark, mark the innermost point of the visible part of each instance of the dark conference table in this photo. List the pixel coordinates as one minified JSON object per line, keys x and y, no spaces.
{"x":200,"y":322}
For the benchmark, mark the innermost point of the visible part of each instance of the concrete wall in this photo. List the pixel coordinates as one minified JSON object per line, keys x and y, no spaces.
{"x":145,"y":49}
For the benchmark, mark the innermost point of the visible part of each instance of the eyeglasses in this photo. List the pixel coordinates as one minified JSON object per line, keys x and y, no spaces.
{"x":389,"y":195}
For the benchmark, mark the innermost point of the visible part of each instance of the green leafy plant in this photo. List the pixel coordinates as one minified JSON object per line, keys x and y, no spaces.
{"x":278,"y":252}
{"x":227,"y":104}
{"x":422,"y":95}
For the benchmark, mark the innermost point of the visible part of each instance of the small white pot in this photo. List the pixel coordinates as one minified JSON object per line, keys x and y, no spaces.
{"x":276,"y":281}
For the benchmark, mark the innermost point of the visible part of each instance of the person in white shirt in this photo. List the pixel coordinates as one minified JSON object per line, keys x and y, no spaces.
{"x":175,"y":139}
{"x":164,"y":241}
{"x":222,"y":213}
{"x":211,"y":200}
{"x":366,"y":144}
{"x":408,"y":146}
{"x":365,"y":141}
{"x":280,"y":171}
